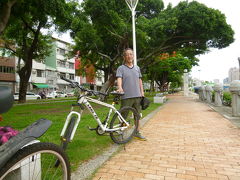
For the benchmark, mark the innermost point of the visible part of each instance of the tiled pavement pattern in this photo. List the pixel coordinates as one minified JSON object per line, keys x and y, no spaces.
{"x":185,"y":140}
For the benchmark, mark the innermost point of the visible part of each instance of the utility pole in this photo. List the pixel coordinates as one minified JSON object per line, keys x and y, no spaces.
{"x":239,"y":68}
{"x":132,"y":4}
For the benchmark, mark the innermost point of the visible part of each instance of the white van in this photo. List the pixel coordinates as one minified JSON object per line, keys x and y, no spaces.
{"x":29,"y":96}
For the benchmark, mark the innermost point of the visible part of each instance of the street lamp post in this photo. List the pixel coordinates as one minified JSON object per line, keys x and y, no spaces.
{"x":239,"y":67}
{"x":132,"y":4}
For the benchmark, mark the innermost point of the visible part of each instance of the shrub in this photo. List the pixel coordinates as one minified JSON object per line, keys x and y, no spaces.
{"x":213,"y":96}
{"x":227,"y":98}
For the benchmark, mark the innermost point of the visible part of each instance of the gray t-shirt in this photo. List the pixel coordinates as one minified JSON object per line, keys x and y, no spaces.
{"x":130,"y":81}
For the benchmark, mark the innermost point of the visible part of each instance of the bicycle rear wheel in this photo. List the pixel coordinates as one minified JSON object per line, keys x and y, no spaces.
{"x":123,"y":136}
{"x":36,"y":161}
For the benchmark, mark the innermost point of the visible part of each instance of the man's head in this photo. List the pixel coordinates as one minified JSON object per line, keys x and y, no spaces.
{"x":128,"y":55}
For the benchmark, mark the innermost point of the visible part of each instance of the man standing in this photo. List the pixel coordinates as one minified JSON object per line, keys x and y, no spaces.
{"x":130,"y":83}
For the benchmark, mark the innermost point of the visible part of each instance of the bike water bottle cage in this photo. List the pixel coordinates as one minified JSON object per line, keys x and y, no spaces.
{"x":6,"y":99}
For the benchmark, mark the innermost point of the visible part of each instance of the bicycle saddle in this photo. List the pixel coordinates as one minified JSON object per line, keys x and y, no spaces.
{"x":6,"y":99}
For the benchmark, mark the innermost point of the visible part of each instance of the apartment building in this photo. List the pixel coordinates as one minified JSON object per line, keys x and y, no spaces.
{"x":46,"y":74}
{"x":7,"y":72}
{"x":233,"y":74}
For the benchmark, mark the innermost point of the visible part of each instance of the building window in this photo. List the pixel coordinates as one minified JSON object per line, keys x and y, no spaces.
{"x":71,"y":65}
{"x":6,"y":69}
{"x":71,"y":76}
{"x":61,"y":63}
{"x":50,"y":73}
{"x":40,"y":73}
{"x":99,"y":78}
{"x":62,"y":75}
{"x":61,"y":51}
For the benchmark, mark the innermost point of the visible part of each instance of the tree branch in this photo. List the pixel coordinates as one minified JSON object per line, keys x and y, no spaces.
{"x":5,"y":14}
{"x":27,"y":25}
{"x":105,"y":56}
{"x":115,"y":34}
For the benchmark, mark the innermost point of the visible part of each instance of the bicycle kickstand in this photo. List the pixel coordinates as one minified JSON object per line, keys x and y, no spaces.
{"x":92,"y":129}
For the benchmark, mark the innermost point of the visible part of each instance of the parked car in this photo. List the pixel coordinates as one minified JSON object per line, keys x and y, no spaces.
{"x":61,"y":94}
{"x":52,"y":94}
{"x":29,"y":96}
{"x":70,"y":94}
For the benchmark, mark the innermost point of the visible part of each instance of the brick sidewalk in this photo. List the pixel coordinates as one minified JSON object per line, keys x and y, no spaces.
{"x":186,"y":140}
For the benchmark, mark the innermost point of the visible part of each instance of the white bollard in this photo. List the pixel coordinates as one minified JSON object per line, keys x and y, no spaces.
{"x":235,"y":90}
{"x":217,"y":96}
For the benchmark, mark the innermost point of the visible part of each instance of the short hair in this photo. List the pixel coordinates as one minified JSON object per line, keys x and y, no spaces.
{"x":124,"y":51}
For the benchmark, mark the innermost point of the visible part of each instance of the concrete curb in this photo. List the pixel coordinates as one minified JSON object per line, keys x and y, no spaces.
{"x":224,"y":111}
{"x":86,"y":169}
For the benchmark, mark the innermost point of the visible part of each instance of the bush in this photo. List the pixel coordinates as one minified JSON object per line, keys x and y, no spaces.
{"x":227,"y":98}
{"x":213,"y":96}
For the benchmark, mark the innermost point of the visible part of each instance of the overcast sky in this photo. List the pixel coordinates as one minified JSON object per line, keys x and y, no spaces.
{"x":215,"y":64}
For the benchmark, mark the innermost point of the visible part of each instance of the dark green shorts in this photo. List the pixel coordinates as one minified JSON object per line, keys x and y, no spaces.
{"x":132,"y":102}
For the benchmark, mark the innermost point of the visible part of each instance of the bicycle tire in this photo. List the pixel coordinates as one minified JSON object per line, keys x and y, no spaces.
{"x":67,"y":135}
{"x":122,"y":137}
{"x":36,"y":161}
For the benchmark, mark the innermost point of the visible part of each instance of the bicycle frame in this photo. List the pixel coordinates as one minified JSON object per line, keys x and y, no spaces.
{"x":84,"y":99}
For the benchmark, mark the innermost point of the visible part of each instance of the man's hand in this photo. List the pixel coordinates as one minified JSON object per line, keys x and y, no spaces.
{"x":120,"y":90}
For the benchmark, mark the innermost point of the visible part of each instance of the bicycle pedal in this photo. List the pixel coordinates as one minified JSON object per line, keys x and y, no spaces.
{"x":91,"y":129}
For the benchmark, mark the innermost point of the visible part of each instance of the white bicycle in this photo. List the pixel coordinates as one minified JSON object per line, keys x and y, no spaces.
{"x":122,"y":126}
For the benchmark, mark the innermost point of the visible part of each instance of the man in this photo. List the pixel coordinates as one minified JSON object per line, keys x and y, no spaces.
{"x":130,"y":83}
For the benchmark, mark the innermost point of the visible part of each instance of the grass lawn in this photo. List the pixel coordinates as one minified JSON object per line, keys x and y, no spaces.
{"x":85,"y":145}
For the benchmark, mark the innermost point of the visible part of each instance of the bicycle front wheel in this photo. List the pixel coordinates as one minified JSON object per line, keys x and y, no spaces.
{"x":123,"y":136}
{"x":36,"y":162}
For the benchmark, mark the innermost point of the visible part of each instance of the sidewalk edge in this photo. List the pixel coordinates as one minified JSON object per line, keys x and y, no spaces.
{"x":86,"y":169}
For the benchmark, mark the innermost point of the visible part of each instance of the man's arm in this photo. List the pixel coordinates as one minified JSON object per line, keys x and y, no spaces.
{"x":119,"y":84}
{"x":141,"y":87}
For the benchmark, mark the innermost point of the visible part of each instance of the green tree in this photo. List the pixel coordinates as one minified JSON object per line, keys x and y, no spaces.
{"x":169,"y":68}
{"x":26,"y":23}
{"x":5,"y":12}
{"x":102,"y":29}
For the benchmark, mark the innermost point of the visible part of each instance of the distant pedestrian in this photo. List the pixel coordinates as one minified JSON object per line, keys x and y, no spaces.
{"x":130,"y":83}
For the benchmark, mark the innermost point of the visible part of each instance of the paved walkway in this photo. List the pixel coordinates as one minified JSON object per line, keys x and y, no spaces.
{"x":186,"y":140}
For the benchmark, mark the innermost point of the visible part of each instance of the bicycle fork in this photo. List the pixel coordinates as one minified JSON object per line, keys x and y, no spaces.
{"x":68,"y":121}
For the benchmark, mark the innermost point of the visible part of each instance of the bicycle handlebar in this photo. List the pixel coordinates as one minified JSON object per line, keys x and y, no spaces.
{"x":76,"y":84}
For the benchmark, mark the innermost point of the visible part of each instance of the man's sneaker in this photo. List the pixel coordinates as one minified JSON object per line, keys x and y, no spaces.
{"x":139,"y":136}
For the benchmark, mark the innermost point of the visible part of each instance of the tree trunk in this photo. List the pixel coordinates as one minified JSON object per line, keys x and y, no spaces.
{"x":152,"y":89}
{"x":108,"y":84}
{"x":163,"y":81}
{"x":105,"y":76}
{"x":25,"y":72}
{"x":23,"y":90}
{"x":24,"y":75}
{"x":5,"y":14}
